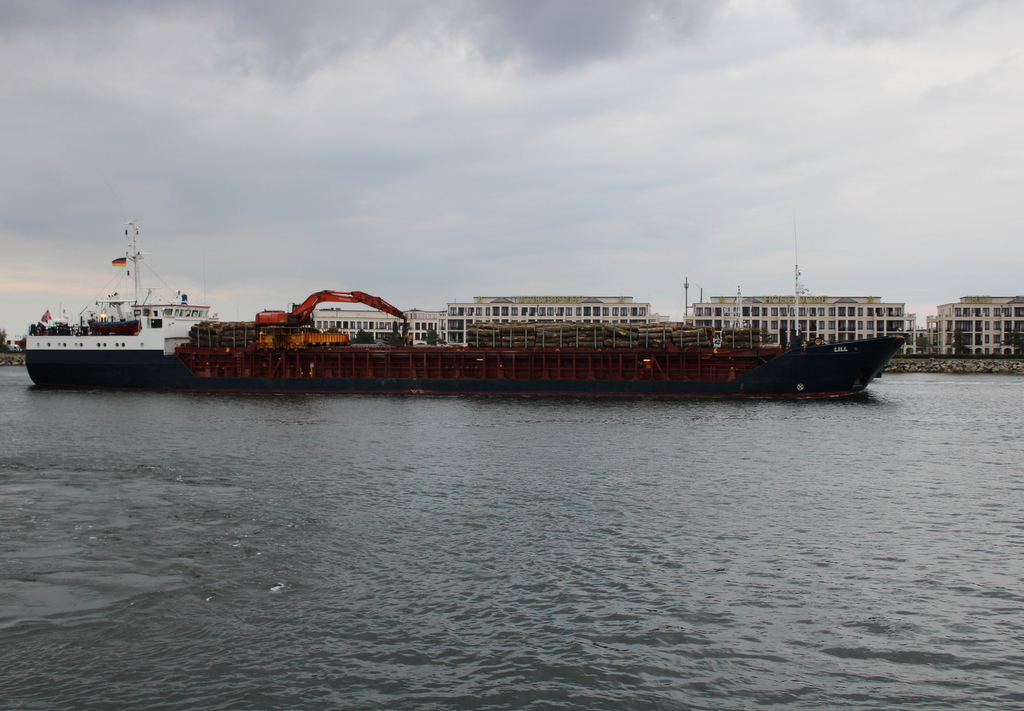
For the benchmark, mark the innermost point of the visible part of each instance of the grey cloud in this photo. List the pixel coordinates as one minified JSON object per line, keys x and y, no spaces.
{"x":544,"y":35}
{"x":541,"y":34}
{"x":554,"y":34}
{"x":869,"y":20}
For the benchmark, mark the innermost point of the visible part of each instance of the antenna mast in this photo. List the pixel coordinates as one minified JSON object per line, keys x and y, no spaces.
{"x":798,"y":288}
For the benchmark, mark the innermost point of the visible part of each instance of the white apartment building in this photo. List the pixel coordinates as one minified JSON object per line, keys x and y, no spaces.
{"x":977,"y":325}
{"x":515,"y":309}
{"x":829,"y":318}
{"x":378,"y":323}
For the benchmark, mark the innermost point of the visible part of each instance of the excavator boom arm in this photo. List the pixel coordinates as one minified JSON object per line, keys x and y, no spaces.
{"x":379,"y":304}
{"x":302,"y":313}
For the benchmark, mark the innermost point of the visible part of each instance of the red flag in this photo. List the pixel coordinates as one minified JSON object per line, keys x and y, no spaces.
{"x":46,"y":317}
{"x":119,"y":262}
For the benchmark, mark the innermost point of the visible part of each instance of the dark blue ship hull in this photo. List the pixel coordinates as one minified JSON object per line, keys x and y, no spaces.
{"x":826,"y":370}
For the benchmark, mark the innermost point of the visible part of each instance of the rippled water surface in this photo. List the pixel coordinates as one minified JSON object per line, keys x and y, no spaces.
{"x":178,"y":551}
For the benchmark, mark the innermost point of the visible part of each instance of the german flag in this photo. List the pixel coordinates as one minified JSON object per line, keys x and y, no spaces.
{"x":120,"y":262}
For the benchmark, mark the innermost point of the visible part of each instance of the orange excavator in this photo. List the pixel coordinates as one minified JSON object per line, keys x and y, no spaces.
{"x":301,"y":314}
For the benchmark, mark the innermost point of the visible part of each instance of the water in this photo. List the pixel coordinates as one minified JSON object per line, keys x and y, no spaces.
{"x":198,"y":551}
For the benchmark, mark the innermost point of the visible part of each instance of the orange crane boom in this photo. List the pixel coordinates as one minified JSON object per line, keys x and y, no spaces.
{"x":301,"y":314}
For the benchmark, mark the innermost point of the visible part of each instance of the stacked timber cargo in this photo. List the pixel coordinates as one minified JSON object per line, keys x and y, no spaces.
{"x":604,"y":335}
{"x":214,"y":334}
{"x":741,"y":338}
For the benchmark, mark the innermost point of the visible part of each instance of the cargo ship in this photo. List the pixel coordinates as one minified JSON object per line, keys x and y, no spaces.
{"x":172,"y":345}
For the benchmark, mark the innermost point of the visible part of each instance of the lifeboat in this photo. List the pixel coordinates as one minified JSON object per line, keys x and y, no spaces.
{"x":115,"y":328}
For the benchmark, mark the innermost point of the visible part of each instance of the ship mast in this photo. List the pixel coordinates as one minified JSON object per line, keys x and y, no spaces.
{"x":737,"y":312}
{"x":686,"y":297}
{"x":132,"y":233}
{"x":798,"y":288}
{"x":796,"y":303}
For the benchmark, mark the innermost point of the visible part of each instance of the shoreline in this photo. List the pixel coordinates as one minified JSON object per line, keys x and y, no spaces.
{"x":12,"y":359}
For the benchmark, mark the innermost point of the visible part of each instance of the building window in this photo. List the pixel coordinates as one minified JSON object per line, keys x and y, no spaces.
{"x":831,"y":311}
{"x":515,"y":310}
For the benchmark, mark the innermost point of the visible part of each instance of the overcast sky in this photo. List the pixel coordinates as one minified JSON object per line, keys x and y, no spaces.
{"x":428,"y":152}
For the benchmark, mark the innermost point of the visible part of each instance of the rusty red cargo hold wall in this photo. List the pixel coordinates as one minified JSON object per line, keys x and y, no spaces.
{"x":482,"y":363}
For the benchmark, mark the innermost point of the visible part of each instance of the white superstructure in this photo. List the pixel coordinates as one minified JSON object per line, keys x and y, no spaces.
{"x":142,"y":321}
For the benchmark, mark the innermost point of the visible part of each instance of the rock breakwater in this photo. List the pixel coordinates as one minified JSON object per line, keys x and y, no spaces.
{"x":12,"y":359}
{"x":955,"y":366}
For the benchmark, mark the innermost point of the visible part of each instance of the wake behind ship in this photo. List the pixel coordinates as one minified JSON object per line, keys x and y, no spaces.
{"x":137,"y":343}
